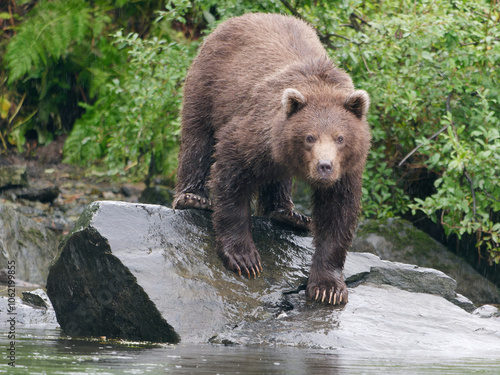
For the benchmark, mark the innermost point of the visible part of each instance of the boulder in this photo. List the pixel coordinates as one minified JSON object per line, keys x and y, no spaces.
{"x":145,"y":272}
{"x":398,"y":241}
{"x":30,"y":244}
{"x":34,"y":310}
{"x":11,"y":176}
{"x":43,"y":194}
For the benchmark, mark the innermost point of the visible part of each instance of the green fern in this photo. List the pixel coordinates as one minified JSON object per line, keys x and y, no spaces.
{"x":48,"y":34}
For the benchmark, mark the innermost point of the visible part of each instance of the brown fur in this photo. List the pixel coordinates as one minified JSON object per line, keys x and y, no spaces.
{"x":262,"y":104}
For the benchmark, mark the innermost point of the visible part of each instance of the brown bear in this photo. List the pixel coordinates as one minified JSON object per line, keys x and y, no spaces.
{"x":263,"y":103}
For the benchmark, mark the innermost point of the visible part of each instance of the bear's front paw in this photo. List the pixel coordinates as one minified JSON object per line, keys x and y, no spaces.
{"x":246,"y":262}
{"x":190,"y":200}
{"x":327,"y":288}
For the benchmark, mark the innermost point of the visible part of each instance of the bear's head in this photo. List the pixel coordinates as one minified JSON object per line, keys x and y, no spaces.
{"x":324,"y":133}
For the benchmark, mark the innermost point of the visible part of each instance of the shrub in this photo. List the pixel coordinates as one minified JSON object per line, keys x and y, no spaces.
{"x":134,"y":125}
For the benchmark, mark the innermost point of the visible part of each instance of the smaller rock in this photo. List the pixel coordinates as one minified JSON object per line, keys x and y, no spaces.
{"x":413,"y":279}
{"x":368,"y":267}
{"x":398,"y":240}
{"x":36,"y":298}
{"x":487,"y":311}
{"x":44,"y":195}
{"x":27,"y":315}
{"x":464,"y":303}
{"x":132,"y":190}
{"x":11,"y":176}
{"x":157,"y":195}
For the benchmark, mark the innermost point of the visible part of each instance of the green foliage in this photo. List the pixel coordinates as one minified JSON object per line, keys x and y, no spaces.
{"x":431,"y":68}
{"x":135,"y":121}
{"x":49,"y":61}
{"x":62,"y":53}
{"x":467,"y":198}
{"x":48,"y":35}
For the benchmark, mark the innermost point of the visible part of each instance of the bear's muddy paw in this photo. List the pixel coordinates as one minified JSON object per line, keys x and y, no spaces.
{"x":190,"y":200}
{"x":331,"y":292}
{"x":291,"y":217}
{"x":247,"y":263}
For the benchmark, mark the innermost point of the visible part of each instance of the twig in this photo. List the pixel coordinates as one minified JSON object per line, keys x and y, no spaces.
{"x":473,"y":193}
{"x":466,"y":174}
{"x":491,"y":196}
{"x":291,"y":9}
{"x":324,"y":38}
{"x":448,"y":99}
{"x":366,"y":64}
{"x":416,"y":148}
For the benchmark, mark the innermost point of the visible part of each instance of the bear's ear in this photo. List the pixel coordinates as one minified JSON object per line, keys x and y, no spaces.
{"x":292,"y":100}
{"x":358,"y":103}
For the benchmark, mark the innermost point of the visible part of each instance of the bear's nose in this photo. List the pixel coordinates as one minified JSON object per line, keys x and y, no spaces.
{"x":324,"y":168}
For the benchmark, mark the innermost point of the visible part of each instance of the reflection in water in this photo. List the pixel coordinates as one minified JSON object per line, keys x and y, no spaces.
{"x":46,"y":352}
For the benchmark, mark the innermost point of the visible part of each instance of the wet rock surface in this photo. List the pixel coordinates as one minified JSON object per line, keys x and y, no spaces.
{"x":132,"y":270}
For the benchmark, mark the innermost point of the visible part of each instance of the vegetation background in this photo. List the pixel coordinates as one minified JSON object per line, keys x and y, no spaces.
{"x":109,"y":73}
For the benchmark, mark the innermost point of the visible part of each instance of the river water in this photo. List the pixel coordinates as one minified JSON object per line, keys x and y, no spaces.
{"x":47,"y":351}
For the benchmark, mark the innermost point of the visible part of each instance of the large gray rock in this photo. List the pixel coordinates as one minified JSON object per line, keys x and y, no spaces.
{"x":146,"y":272}
{"x":398,"y":241}
{"x":30,"y":244}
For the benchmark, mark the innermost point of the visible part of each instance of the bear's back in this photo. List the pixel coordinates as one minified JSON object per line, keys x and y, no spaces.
{"x":264,"y":42}
{"x":242,"y":53}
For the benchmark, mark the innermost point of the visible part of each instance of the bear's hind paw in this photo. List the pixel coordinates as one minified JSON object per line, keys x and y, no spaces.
{"x":292,"y":218}
{"x":190,"y":200}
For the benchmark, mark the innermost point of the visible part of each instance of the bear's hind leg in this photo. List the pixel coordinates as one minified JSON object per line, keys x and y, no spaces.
{"x":195,"y":159}
{"x":275,"y":201}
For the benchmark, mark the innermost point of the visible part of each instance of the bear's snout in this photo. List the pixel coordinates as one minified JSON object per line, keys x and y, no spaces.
{"x":324,"y":168}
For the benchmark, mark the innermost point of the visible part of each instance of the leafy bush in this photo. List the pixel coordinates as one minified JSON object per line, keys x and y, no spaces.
{"x":134,"y":124}
{"x":431,"y":68}
{"x":61,"y":54}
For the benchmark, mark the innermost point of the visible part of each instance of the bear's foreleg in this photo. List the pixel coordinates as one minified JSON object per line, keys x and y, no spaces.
{"x":231,"y":197}
{"x":335,"y":214}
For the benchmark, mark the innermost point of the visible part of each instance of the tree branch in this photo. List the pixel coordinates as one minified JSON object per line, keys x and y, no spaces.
{"x":432,"y":136}
{"x":466,"y":174}
{"x":416,"y":148}
{"x":324,"y":38}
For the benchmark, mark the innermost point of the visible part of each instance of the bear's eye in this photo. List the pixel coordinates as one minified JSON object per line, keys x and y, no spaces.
{"x":310,"y":139}
{"x":340,"y":139}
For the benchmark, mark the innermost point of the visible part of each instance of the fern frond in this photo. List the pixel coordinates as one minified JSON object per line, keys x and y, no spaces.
{"x":47,"y":34}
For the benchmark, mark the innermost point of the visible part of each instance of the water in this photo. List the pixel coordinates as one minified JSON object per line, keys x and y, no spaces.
{"x":47,"y":351}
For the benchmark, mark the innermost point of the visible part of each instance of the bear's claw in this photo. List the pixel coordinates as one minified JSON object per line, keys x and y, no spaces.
{"x":190,"y":200}
{"x":291,"y":217}
{"x":335,"y":297}
{"x":242,"y":263}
